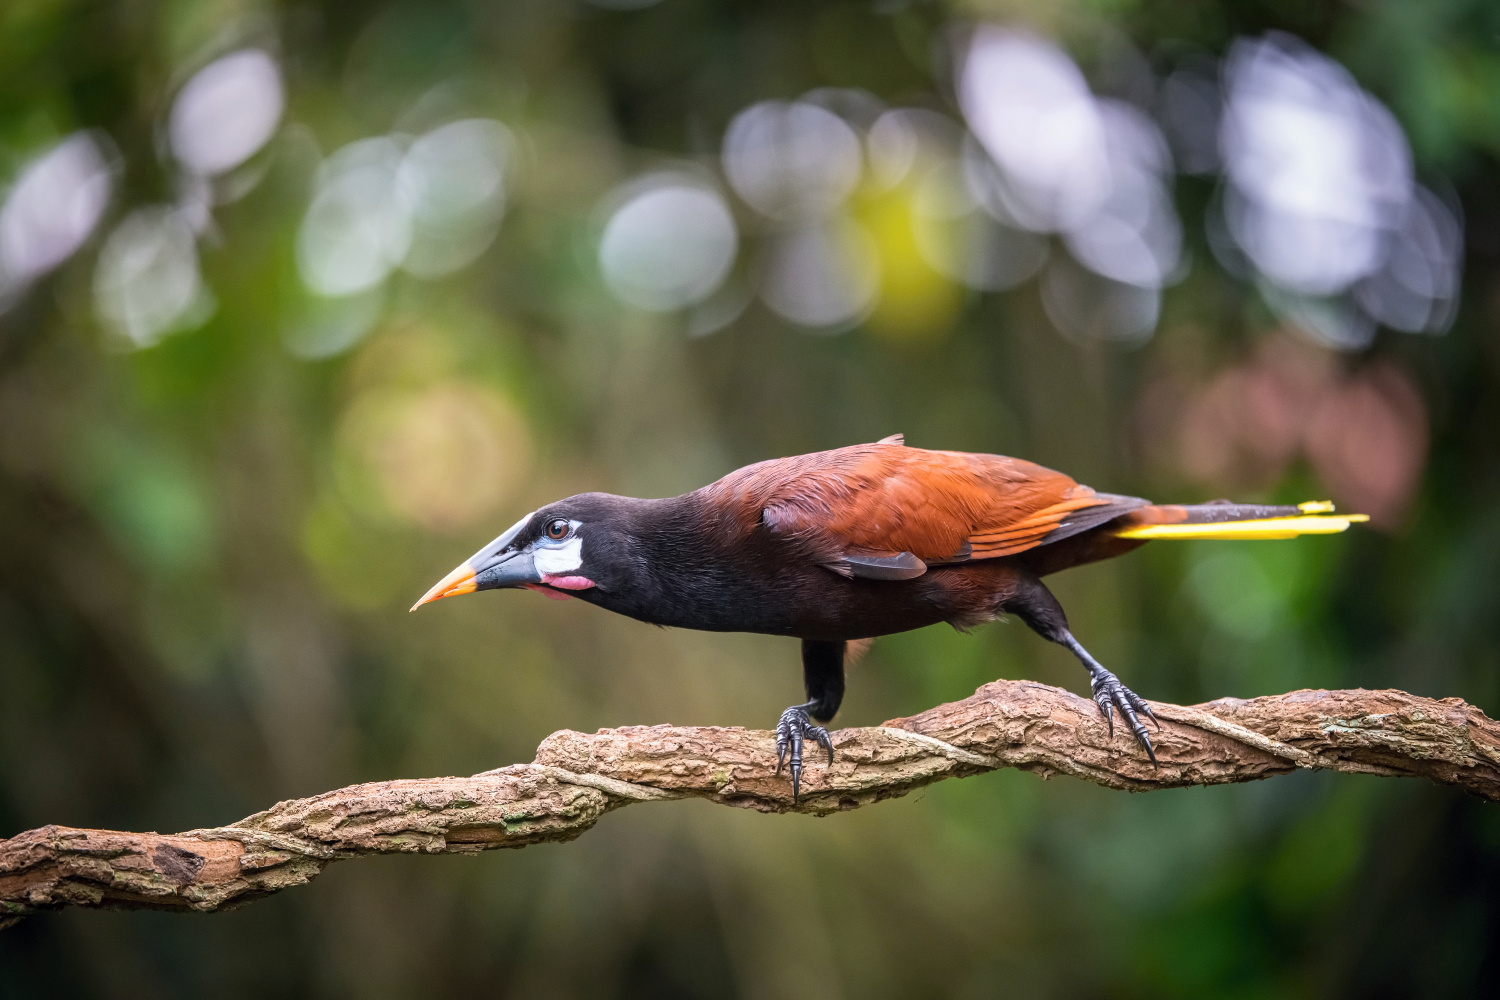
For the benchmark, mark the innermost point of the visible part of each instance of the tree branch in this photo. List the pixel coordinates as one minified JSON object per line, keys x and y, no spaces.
{"x":577,"y":778}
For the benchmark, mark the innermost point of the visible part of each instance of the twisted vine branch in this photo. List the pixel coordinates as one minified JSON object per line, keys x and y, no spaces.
{"x":577,"y":778}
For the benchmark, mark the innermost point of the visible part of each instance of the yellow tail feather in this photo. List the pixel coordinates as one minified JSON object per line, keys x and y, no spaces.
{"x":1269,"y":527}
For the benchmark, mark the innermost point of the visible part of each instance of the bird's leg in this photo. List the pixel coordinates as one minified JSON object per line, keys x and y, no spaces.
{"x":1035,"y":605}
{"x":823,"y":679}
{"x":1108,"y":691}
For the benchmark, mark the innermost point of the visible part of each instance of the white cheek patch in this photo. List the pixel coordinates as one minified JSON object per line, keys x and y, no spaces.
{"x":559,"y":560}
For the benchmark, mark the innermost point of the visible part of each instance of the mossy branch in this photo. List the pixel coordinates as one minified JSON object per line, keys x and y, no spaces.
{"x":577,"y":778}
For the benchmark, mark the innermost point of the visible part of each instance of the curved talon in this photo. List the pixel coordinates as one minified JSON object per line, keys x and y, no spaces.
{"x":1109,"y":694}
{"x":792,"y":730}
{"x":825,"y":741}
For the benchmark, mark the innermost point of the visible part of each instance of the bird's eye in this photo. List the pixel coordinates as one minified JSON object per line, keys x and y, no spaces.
{"x":557,"y":529}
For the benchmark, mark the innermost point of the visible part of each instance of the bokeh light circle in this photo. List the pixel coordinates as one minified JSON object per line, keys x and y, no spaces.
{"x":791,"y":160}
{"x":669,"y":244}
{"x":453,"y":181}
{"x":52,"y":208}
{"x":147,"y":282}
{"x":358,"y":227}
{"x":822,"y":277}
{"x":226,"y":112}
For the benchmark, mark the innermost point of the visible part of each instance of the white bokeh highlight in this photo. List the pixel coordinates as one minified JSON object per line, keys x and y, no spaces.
{"x":429,"y":206}
{"x":1030,"y":107}
{"x":1322,"y":200}
{"x":824,"y":276}
{"x":1056,"y":159}
{"x":792,"y":160}
{"x":358,"y":227}
{"x":669,"y":244}
{"x":1132,"y":235}
{"x":147,"y":283}
{"x":453,"y":182}
{"x":52,"y":208}
{"x":226,"y":112}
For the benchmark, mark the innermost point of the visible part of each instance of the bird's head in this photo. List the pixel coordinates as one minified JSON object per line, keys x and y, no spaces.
{"x":573,"y":545}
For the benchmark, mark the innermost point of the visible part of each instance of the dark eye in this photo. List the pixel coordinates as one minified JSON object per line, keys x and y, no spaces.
{"x":557,"y":529}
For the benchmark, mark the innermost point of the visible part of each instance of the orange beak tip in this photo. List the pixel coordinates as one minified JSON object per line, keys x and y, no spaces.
{"x":460,"y":581}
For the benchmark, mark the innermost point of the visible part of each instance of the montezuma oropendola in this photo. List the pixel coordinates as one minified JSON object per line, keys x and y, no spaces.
{"x":850,"y":544}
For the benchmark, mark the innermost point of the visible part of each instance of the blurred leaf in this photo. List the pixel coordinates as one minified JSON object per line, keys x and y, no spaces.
{"x":1320,"y":852}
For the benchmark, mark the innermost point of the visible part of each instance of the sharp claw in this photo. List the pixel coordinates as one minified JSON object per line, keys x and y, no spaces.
{"x":1136,"y":725}
{"x":792,"y":732}
{"x":1146,"y":740}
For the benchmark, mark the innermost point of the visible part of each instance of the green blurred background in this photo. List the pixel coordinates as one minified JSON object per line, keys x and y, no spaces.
{"x":260,"y":387}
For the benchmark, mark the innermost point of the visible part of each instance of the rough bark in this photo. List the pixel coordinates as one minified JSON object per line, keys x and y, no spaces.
{"x":577,"y":778}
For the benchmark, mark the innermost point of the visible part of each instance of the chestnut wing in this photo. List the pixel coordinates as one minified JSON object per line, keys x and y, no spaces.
{"x":887,"y":512}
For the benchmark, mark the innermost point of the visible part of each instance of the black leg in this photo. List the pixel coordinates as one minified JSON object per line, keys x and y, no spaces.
{"x":1035,"y":605}
{"x":823,"y":679}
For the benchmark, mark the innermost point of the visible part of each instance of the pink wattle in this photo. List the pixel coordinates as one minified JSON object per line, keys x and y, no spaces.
{"x":548,"y":592}
{"x":567,"y":582}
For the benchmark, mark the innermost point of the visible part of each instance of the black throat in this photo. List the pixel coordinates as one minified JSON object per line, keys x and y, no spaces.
{"x":682,"y":563}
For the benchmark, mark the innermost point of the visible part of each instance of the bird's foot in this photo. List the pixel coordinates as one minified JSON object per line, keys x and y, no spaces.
{"x":795,"y":727}
{"x":1110,"y":693}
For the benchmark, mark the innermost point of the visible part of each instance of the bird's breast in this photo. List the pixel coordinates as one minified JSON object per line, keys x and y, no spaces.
{"x":812,"y":602}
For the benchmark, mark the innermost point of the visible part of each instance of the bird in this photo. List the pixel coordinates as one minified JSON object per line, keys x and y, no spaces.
{"x":838,"y":547}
